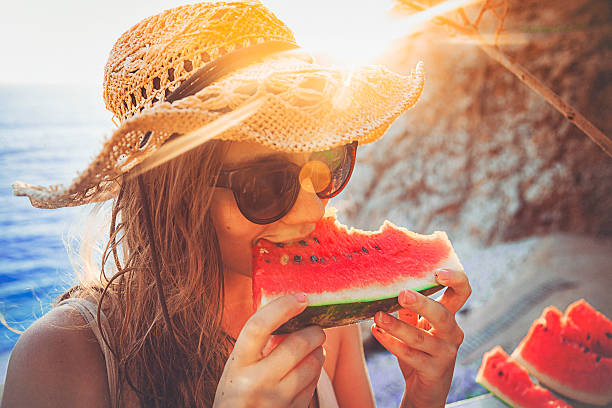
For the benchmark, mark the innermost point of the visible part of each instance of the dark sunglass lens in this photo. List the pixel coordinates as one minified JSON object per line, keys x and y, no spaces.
{"x":265,"y":195}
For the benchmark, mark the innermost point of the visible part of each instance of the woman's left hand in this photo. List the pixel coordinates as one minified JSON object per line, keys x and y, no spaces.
{"x":426,"y":352}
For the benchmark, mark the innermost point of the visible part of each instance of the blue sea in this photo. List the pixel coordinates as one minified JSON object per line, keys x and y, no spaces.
{"x":47,"y":134}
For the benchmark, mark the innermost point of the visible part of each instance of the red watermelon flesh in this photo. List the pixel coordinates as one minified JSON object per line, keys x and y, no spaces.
{"x":511,"y":383}
{"x":591,"y":327}
{"x":556,"y":351}
{"x":348,"y":273}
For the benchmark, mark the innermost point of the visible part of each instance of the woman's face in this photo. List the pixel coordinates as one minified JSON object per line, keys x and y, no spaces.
{"x":236,"y":234}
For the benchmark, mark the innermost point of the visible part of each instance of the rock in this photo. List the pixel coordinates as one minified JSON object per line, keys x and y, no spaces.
{"x":481,"y":155}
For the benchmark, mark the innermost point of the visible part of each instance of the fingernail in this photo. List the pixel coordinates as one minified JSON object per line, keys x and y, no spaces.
{"x":300,"y":297}
{"x":442,"y":274}
{"x":384,"y":318}
{"x":407,"y":297}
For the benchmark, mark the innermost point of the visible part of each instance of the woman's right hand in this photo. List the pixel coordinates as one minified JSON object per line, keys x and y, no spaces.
{"x":287,"y":376}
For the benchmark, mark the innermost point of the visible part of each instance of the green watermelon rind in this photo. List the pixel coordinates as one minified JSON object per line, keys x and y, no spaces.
{"x":343,"y":313}
{"x":495,"y":395}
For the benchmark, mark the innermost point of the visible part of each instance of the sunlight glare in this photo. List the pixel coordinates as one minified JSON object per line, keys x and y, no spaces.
{"x":352,"y":32}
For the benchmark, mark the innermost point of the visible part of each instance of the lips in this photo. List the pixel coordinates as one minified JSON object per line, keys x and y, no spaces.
{"x":284,"y":240}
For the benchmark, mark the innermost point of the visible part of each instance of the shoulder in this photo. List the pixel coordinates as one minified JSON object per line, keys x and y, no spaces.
{"x":57,"y":362}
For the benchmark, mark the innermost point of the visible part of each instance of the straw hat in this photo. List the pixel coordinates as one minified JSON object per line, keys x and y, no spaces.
{"x":246,"y":56}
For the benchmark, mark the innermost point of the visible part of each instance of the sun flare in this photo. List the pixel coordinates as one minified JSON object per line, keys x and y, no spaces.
{"x":353,"y":32}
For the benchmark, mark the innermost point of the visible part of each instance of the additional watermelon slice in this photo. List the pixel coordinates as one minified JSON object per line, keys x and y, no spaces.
{"x":570,"y":354}
{"x":594,"y":327}
{"x":349,"y":275}
{"x":511,"y":383}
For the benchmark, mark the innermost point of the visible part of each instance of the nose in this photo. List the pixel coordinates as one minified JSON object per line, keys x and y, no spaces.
{"x":308,"y":208}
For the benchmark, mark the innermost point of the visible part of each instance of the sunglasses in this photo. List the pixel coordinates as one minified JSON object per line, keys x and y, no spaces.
{"x":265,"y":192}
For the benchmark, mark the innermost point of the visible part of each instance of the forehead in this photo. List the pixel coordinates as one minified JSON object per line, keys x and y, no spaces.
{"x":242,"y":152}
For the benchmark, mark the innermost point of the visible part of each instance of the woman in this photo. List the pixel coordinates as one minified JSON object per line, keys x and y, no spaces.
{"x":173,"y":324}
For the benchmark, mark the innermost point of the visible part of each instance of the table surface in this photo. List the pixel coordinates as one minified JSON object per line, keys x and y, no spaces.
{"x":483,"y":401}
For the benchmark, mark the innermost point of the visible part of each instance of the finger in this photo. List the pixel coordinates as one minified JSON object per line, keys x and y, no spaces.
{"x":424,"y":324}
{"x":305,"y":396}
{"x":272,"y":343}
{"x":256,"y":331}
{"x":307,"y":371}
{"x":412,"y":336}
{"x":292,"y":351}
{"x":408,"y":316}
{"x":416,"y":359}
{"x":437,"y":315}
{"x":458,"y":288}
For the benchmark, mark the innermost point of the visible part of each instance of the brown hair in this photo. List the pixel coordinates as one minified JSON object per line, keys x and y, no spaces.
{"x":175,"y":362}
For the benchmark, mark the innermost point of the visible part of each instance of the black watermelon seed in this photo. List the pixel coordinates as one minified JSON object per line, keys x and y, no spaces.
{"x":355,"y":252}
{"x":266,"y":260}
{"x":297,"y":259}
{"x":303,"y":243}
{"x":545,"y":329}
{"x":280,"y":244}
{"x":609,"y":335}
{"x":597,"y":359}
{"x":377,"y":247}
{"x":322,"y":260}
{"x":349,"y":256}
{"x":586,"y":349}
{"x":500,"y":373}
{"x":588,"y":336}
{"x":316,"y":240}
{"x":313,"y":258}
{"x":364,"y":250}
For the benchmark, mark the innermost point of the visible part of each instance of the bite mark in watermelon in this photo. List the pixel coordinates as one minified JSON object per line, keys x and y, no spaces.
{"x":349,"y":274}
{"x":511,"y":383}
{"x":570,"y":353}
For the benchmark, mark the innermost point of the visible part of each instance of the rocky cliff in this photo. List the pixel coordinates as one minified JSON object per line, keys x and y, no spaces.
{"x":483,"y":156}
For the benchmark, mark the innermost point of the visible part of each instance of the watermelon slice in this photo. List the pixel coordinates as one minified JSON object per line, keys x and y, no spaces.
{"x":570,"y":353}
{"x":348,"y":274}
{"x":511,"y":383}
{"x":594,"y":328}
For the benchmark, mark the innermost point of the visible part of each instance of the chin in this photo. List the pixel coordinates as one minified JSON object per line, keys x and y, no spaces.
{"x":242,"y":269}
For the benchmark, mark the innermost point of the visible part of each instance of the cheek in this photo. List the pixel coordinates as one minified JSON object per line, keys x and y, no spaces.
{"x":235,"y":232}
{"x":227,"y":217}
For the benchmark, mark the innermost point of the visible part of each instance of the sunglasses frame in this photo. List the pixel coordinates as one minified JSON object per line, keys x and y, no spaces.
{"x":226,"y":178}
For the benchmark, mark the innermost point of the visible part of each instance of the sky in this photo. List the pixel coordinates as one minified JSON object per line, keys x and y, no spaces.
{"x":68,"y":41}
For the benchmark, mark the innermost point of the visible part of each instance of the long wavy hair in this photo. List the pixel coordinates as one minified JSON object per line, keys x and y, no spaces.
{"x":165,"y":314}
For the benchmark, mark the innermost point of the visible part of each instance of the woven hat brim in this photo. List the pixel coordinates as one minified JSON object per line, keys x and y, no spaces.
{"x":304,"y":107}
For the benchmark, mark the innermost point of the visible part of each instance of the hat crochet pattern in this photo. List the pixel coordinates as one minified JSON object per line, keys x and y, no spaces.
{"x":304,"y":106}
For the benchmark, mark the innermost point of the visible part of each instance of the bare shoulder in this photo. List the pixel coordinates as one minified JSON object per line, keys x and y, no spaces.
{"x":57,"y":362}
